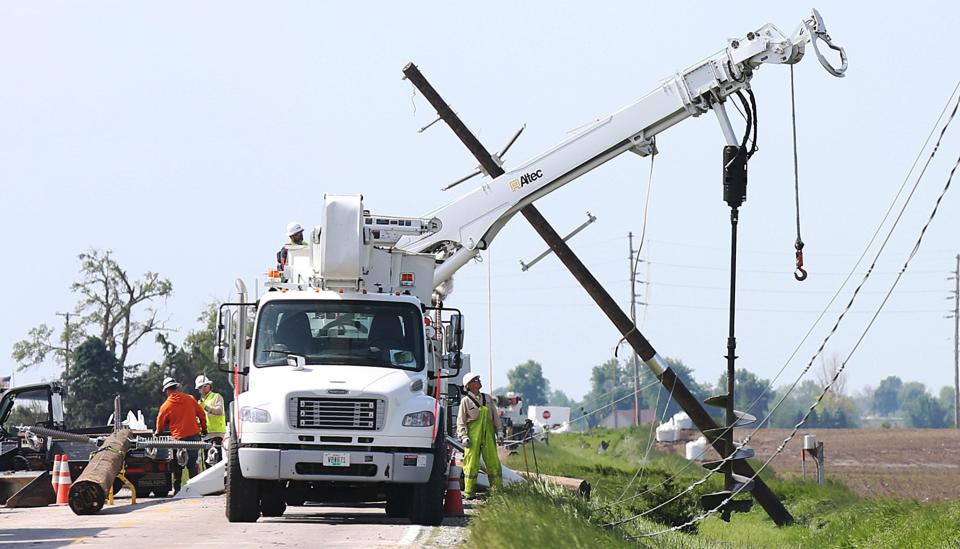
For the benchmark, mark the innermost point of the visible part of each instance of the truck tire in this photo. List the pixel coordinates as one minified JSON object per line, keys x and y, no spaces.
{"x":398,"y":502}
{"x":243,"y":497}
{"x":427,"y":502}
{"x":271,"y":500}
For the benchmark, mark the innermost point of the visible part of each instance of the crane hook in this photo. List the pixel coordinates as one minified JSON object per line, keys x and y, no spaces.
{"x":800,"y":273}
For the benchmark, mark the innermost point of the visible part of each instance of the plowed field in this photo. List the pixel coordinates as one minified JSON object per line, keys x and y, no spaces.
{"x":921,"y":464}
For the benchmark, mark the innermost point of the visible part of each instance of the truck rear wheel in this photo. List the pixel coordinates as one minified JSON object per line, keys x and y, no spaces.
{"x":427,"y":501}
{"x":243,"y":497}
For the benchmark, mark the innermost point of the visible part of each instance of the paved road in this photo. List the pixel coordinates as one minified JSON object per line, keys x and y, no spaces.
{"x":177,"y":523}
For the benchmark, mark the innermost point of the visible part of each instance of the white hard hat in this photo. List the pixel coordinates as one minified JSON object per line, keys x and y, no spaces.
{"x":470,"y":377}
{"x":169,"y":383}
{"x":293,"y":228}
{"x":202,"y":380}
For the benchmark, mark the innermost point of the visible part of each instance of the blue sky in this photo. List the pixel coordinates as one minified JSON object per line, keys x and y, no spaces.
{"x":184,"y":136}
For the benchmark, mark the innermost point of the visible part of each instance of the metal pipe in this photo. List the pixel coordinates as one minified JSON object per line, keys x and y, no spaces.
{"x":725,"y":126}
{"x":54,"y":433}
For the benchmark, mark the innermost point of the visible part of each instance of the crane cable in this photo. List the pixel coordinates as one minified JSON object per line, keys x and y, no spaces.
{"x":840,"y":370}
{"x":823,"y":313}
{"x":800,"y":273}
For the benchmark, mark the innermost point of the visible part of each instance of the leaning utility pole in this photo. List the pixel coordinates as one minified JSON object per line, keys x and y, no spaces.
{"x":956,"y":343}
{"x":633,"y":318}
{"x":667,"y":377}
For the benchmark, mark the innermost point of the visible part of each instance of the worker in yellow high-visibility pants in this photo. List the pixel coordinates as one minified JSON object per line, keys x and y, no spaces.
{"x":478,"y":427}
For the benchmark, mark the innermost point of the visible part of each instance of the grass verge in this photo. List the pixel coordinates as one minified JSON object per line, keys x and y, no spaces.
{"x":535,"y":515}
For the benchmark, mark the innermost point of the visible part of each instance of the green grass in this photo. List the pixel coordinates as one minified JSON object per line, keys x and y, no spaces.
{"x":532,"y":515}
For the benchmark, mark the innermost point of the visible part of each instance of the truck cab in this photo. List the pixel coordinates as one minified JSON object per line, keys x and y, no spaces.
{"x":339,"y":369}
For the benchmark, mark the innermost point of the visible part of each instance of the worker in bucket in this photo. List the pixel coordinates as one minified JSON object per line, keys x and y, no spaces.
{"x":212,"y":404}
{"x":185,"y":419}
{"x":478,"y":427}
{"x":295,"y":234}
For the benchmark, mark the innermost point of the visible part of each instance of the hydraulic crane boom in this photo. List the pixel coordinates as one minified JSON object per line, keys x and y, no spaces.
{"x":470,"y":223}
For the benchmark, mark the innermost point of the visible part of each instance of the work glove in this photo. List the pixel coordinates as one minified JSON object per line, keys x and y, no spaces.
{"x":203,"y":432}
{"x":466,"y":442}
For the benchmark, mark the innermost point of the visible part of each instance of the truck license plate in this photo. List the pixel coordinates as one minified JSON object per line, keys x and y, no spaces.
{"x":336,"y":459}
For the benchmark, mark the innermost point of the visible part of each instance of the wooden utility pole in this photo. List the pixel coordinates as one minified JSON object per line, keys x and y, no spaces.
{"x":66,"y":337}
{"x":667,"y":377}
{"x":633,"y":318}
{"x":956,"y":344}
{"x":89,"y":492}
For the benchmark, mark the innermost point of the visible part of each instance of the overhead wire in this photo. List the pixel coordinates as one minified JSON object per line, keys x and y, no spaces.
{"x":836,"y":375}
{"x":849,"y":305}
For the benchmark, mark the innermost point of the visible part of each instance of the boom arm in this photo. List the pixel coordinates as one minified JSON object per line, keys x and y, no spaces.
{"x":470,"y":223}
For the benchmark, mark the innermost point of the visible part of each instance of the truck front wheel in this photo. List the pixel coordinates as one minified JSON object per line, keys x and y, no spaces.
{"x":272,"y":503}
{"x":243,"y":497}
{"x":427,"y":501}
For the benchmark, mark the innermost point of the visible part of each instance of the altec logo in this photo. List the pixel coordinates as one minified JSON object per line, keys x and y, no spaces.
{"x":525,"y":180}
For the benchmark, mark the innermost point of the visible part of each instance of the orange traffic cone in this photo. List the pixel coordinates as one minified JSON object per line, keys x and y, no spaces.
{"x":55,"y":473}
{"x":453,"y":504}
{"x":63,"y":489}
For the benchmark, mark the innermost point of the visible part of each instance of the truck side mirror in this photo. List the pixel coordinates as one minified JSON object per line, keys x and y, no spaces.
{"x":455,"y":333}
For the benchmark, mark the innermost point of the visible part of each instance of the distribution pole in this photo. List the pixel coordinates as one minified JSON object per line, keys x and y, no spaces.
{"x":633,"y":318}
{"x":66,"y":337}
{"x":956,"y":345}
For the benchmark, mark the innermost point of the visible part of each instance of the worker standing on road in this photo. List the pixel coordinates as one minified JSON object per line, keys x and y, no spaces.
{"x":212,"y":404}
{"x":185,"y":419}
{"x":478,"y":427}
{"x":295,"y":233}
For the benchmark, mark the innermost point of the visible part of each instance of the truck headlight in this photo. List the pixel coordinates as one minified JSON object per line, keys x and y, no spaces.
{"x":249,"y":414}
{"x":418,"y":419}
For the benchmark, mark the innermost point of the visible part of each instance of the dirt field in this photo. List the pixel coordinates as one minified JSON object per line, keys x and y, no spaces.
{"x":923,"y":464}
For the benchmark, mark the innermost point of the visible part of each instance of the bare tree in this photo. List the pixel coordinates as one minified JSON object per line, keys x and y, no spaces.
{"x":830,"y":369}
{"x":113,"y":306}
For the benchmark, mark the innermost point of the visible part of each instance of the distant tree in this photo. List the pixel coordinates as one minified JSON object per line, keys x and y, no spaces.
{"x":559,"y":398}
{"x":886,"y":399}
{"x":609,"y":387}
{"x":113,"y":306}
{"x":748,"y":389}
{"x":795,"y":404}
{"x":656,"y":396}
{"x":527,"y":379}
{"x":92,"y":381}
{"x":923,"y":410}
{"x":183,"y":363}
{"x":948,"y":403}
{"x":910,"y":391}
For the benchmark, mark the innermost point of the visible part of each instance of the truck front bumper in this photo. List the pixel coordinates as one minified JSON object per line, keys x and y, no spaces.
{"x":289,"y":464}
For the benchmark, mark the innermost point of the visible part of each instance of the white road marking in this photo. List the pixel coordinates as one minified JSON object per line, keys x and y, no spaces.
{"x":410,"y":536}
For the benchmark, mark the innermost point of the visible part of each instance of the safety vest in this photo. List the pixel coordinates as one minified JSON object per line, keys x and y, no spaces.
{"x":215,"y":424}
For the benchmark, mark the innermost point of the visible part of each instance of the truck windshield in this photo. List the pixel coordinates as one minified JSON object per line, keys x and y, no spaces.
{"x":340,"y":332}
{"x":26,"y":408}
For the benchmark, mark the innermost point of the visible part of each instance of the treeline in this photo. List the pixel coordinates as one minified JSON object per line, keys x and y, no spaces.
{"x":612,"y":385}
{"x":114,"y":313}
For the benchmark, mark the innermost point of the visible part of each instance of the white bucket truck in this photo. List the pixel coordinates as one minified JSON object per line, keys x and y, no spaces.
{"x":336,"y":368}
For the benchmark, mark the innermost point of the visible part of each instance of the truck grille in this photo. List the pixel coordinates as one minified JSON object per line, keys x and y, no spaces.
{"x":363,"y":414}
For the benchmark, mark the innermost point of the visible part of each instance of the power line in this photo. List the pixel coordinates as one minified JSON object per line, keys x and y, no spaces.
{"x":840,"y":370}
